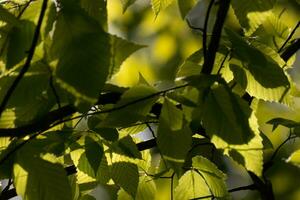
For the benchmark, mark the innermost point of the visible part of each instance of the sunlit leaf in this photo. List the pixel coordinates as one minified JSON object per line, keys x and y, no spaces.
{"x":159,"y":5}
{"x":126,"y":176}
{"x":251,"y":14}
{"x":127,"y":3}
{"x":35,"y":178}
{"x":134,"y":105}
{"x":82,"y":48}
{"x":120,"y":50}
{"x":294,"y":158}
{"x":214,"y":178}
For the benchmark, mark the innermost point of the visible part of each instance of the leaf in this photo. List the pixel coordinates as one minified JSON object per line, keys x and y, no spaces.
{"x":191,"y":185}
{"x":159,"y":5}
{"x":146,"y":189}
{"x":97,"y":10}
{"x":214,"y":178}
{"x":35,"y":178}
{"x":120,"y":50}
{"x":284,"y":122}
{"x":260,"y":74}
{"x":19,"y":42}
{"x":126,"y":146}
{"x":226,"y":116}
{"x":126,"y":4}
{"x":192,"y":65}
{"x":248,"y":154}
{"x":82,"y":49}
{"x":134,"y":105}
{"x":8,"y":17}
{"x":251,"y":14}
{"x":94,"y":153}
{"x":185,"y":6}
{"x":294,"y":158}
{"x":174,"y":138}
{"x":126,"y":176}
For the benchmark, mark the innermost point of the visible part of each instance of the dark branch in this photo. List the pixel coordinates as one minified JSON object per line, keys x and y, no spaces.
{"x":28,"y":60}
{"x":291,"y":50}
{"x":216,"y":37}
{"x":204,"y":37}
{"x":289,"y":37}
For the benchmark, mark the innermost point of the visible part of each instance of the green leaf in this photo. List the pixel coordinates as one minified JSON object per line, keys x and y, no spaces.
{"x":284,"y":122}
{"x":192,"y":65}
{"x":126,"y":146}
{"x":231,"y":121}
{"x":146,"y":189}
{"x":35,"y":178}
{"x":159,"y":5}
{"x":126,"y":4}
{"x":7,"y":16}
{"x":191,"y":185}
{"x":94,"y":153}
{"x":134,"y":105}
{"x":120,"y":50}
{"x":83,"y":53}
{"x":19,"y":42}
{"x":126,"y":176}
{"x":97,"y":10}
{"x":32,"y":85}
{"x":248,"y":154}
{"x":260,"y":74}
{"x":294,"y":158}
{"x":87,"y":197}
{"x":174,"y":138}
{"x":185,"y":6}
{"x":214,"y":178}
{"x":251,"y":14}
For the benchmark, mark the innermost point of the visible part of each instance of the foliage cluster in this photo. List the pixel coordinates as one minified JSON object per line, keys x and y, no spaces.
{"x":66,"y":129}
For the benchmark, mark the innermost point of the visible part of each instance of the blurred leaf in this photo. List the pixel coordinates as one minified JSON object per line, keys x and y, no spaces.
{"x":174,"y":138}
{"x":294,"y":158}
{"x":159,"y":5}
{"x":134,"y":105}
{"x":126,"y":4}
{"x":120,"y":50}
{"x":8,"y":17}
{"x":126,"y":176}
{"x":35,"y":178}
{"x":251,"y":14}
{"x":97,"y":10}
{"x":185,"y":6}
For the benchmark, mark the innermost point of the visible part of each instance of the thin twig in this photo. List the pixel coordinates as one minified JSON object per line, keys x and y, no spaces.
{"x":28,"y":60}
{"x":247,"y":187}
{"x":289,"y":37}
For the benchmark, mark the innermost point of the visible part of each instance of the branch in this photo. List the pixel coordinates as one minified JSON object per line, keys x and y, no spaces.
{"x":289,"y":37}
{"x":291,"y":50}
{"x":247,"y":187}
{"x":211,"y":3}
{"x":28,"y":60}
{"x":215,"y":38}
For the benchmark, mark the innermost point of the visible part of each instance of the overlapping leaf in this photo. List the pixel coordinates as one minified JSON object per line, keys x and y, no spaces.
{"x":83,"y":52}
{"x":251,"y":14}
{"x":174,"y":138}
